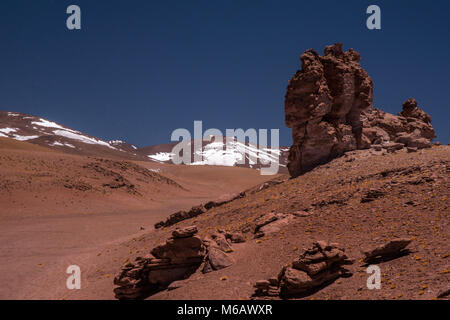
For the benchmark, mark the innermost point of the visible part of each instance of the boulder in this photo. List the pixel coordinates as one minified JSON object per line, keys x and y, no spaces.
{"x":444,"y":292}
{"x":328,"y":105}
{"x":271,"y":223}
{"x":220,"y":241}
{"x":176,"y":259}
{"x":315,"y":268}
{"x":185,"y":232}
{"x":235,"y":237}
{"x":218,"y":259}
{"x":323,"y":103}
{"x":372,"y":194}
{"x":180,"y":249}
{"x":390,"y":250}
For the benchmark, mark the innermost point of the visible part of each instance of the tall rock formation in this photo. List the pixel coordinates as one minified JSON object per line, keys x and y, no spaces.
{"x":328,"y":105}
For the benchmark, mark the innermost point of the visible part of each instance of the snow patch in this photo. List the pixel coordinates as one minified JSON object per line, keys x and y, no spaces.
{"x":8,"y":130}
{"x":56,"y":143}
{"x":82,"y":138}
{"x":24,"y":138}
{"x":51,"y":124}
{"x":161,"y":156}
{"x":115,"y":141}
{"x":59,"y":144}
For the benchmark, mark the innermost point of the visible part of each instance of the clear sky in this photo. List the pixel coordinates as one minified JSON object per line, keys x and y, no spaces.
{"x":137,"y":70}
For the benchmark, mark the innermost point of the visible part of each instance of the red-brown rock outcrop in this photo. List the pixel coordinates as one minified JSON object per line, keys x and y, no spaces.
{"x":176,"y":259}
{"x":315,"y":268}
{"x":328,"y":105}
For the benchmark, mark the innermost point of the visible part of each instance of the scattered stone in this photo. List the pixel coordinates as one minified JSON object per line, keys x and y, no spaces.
{"x":316,"y":267}
{"x":271,"y":223}
{"x":262,"y":284}
{"x":210,"y":205}
{"x":388,"y":251}
{"x":175,"y":285}
{"x":413,"y":139}
{"x":371,"y":195}
{"x":302,"y":213}
{"x":185,"y":232}
{"x":411,"y":149}
{"x":444,"y":292}
{"x":265,"y":288}
{"x":180,"y":216}
{"x":235,"y":237}
{"x":377,"y":147}
{"x":220,"y":241}
{"x":193,"y":212}
{"x":264,"y":220}
{"x":216,"y":257}
{"x":392,"y":146}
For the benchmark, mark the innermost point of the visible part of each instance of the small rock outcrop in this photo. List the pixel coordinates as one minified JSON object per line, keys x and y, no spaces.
{"x":177,"y":259}
{"x":411,"y":127}
{"x":387,"y":251}
{"x":180,"y":216}
{"x":315,"y":268}
{"x":194,"y":211}
{"x":444,"y":292}
{"x":329,"y":106}
{"x":271,"y":223}
{"x":217,"y":248}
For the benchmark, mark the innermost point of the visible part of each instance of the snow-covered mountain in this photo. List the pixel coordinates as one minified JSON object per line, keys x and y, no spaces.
{"x":225,"y":152}
{"x":50,"y":134}
{"x":40,"y":131}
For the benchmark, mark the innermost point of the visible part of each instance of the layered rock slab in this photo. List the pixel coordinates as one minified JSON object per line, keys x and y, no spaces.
{"x":316,"y":267}
{"x":176,"y":259}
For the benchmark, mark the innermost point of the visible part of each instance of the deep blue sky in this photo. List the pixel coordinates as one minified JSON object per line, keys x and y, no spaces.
{"x":140,"y":69}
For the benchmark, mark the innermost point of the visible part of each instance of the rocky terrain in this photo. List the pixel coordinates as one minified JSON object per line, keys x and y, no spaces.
{"x":313,"y":237}
{"x":329,"y":107}
{"x":385,"y":190}
{"x":366,"y":188}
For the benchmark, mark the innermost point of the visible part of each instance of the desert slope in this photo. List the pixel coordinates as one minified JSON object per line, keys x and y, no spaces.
{"x":360,"y":201}
{"x":59,"y":209}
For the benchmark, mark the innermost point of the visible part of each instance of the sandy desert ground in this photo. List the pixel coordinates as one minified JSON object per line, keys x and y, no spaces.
{"x":59,"y":209}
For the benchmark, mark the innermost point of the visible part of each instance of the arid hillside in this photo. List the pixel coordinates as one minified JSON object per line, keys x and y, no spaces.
{"x":55,"y":206}
{"x":359,"y":201}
